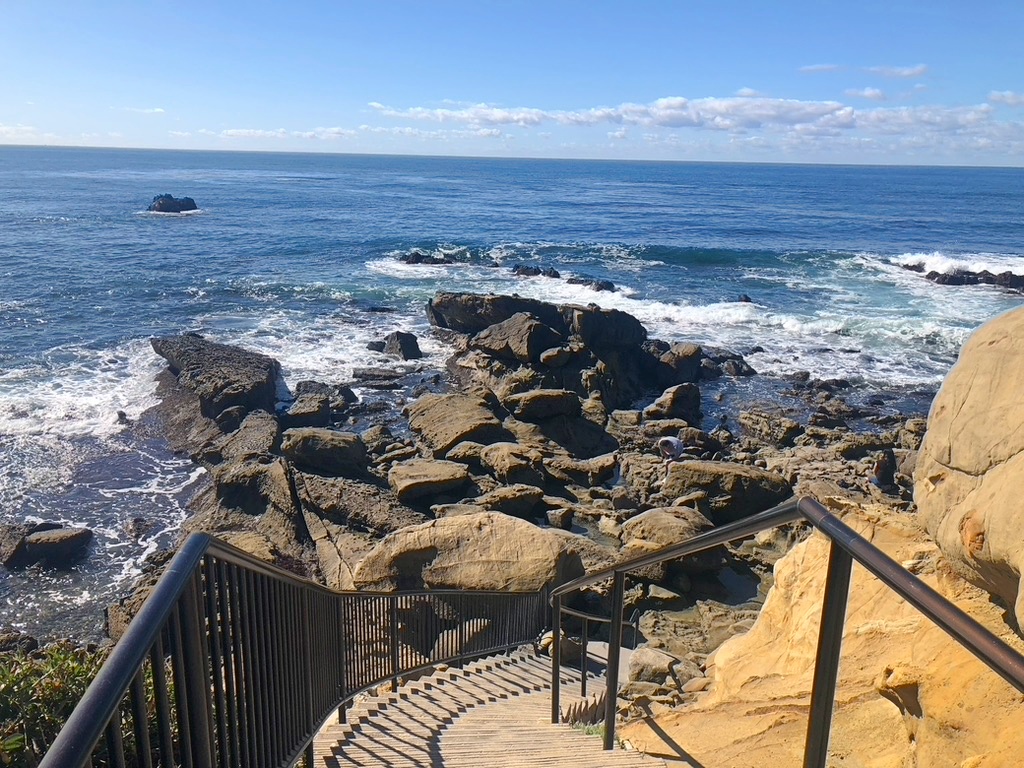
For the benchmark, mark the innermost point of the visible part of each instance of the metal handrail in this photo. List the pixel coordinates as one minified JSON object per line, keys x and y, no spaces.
{"x":232,"y":661}
{"x":846,"y":547}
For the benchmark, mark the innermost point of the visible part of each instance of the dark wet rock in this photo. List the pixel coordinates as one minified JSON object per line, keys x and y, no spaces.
{"x":340,"y":395}
{"x":419,"y":256}
{"x":16,"y":641}
{"x":308,"y":410}
{"x":403,"y":345}
{"x":521,"y":337}
{"x":525,"y":270}
{"x":57,"y":548}
{"x":673,"y":364}
{"x":169,"y":204}
{"x":325,"y":450}
{"x":375,"y":346}
{"x":592,"y":283}
{"x":744,"y":299}
{"x":222,"y":376}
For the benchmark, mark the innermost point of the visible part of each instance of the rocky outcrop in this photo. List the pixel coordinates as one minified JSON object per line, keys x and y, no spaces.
{"x":221,"y":376}
{"x":488,"y":551}
{"x":907,"y":695}
{"x":419,"y":478}
{"x":169,"y":204}
{"x":967,"y":483}
{"x":443,"y":421}
{"x":522,"y":337}
{"x":325,"y":450}
{"x":49,"y":544}
{"x":402,"y":345}
{"x":733,"y":491}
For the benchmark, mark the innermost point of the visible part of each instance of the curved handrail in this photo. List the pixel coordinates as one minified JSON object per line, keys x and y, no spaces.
{"x":847,"y":547}
{"x":786,"y":512}
{"x":239,"y":637}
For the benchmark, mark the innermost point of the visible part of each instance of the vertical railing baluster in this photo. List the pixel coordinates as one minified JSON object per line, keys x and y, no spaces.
{"x":230,"y":654}
{"x":214,"y":614}
{"x":308,"y":661}
{"x":115,"y":741}
{"x":252,"y":696}
{"x":184,"y":721}
{"x":583,"y":661}
{"x":140,"y":717}
{"x":162,"y":702}
{"x":556,"y":660}
{"x":614,"y":652}
{"x":197,"y":674}
{"x":826,"y":665}
{"x":395,"y":662}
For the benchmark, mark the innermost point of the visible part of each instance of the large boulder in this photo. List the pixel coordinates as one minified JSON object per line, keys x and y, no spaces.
{"x":679,"y":402}
{"x":443,"y":421}
{"x":540,"y":404}
{"x":258,"y":434}
{"x":967,"y":482}
{"x":403,"y":345}
{"x":734,"y":491}
{"x":513,"y":463}
{"x":222,"y":376}
{"x":488,"y":551}
{"x":472,"y":313}
{"x":325,"y":450}
{"x":603,"y":329}
{"x":521,"y":338}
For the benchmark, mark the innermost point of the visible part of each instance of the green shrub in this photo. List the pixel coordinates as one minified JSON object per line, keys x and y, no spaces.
{"x":38,"y":691}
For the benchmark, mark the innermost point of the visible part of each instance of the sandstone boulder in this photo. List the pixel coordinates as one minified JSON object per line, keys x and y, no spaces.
{"x":773,"y":428}
{"x":540,"y":404}
{"x":967,"y":482}
{"x":486,"y":551}
{"x":515,"y":500}
{"x":734,"y":491}
{"x":222,"y":376}
{"x":522,"y":338}
{"x":418,"y":478}
{"x":446,"y":420}
{"x":325,"y":450}
{"x":513,"y":463}
{"x":258,"y":434}
{"x":679,"y":402}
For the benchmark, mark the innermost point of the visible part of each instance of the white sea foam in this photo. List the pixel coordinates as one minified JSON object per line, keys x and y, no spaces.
{"x":936,"y":261}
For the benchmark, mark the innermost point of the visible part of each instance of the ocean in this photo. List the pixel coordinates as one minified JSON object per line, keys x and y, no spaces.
{"x":294,"y":255}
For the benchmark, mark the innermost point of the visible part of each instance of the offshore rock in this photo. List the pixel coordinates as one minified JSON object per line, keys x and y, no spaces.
{"x":403,"y":345}
{"x":222,"y":376}
{"x":169,"y":204}
{"x":488,"y":551}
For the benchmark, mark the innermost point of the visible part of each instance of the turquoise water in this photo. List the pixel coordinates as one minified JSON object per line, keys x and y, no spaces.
{"x":289,"y":252}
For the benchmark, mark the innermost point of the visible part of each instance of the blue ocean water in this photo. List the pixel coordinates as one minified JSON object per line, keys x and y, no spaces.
{"x":288,"y":253}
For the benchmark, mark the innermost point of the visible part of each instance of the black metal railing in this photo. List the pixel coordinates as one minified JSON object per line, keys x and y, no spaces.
{"x":233,"y":662}
{"x":846,"y":547}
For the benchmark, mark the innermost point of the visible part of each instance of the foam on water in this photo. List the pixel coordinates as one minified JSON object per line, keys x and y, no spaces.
{"x":936,"y":261}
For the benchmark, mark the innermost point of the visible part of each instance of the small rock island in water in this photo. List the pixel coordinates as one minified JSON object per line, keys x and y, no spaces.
{"x":170,"y":204}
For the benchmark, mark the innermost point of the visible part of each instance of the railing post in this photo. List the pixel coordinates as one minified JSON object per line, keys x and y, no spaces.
{"x":583,"y":662}
{"x":393,"y":600}
{"x":612,"y":668}
{"x":556,"y":660}
{"x":308,"y":664}
{"x":196,"y":672}
{"x":826,"y":666}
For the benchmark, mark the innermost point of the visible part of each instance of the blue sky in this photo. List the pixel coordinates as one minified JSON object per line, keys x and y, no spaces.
{"x":867,"y":82}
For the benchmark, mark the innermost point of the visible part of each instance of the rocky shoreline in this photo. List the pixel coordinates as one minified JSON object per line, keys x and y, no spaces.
{"x":529,"y":461}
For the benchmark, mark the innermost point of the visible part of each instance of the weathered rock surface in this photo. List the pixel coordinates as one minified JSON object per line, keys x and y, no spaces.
{"x":967,"y":482}
{"x":907,"y":695}
{"x":443,"y":421}
{"x":355,"y":504}
{"x":418,"y":478}
{"x":734,"y":491}
{"x":522,"y":337}
{"x":541,"y":404}
{"x":403,"y":345}
{"x":679,"y":402}
{"x":486,"y":551}
{"x":50,"y":544}
{"x":222,"y":376}
{"x":325,"y":450}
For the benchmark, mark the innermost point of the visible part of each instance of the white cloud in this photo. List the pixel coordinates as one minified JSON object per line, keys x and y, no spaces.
{"x":915,"y":71}
{"x":866,"y":93}
{"x":1010,"y":98}
{"x":619,"y":134}
{"x":253,"y":133}
{"x":18,"y":133}
{"x":482,"y":114}
{"x":820,"y":68}
{"x":144,"y":110}
{"x":747,"y":92}
{"x":180,"y":134}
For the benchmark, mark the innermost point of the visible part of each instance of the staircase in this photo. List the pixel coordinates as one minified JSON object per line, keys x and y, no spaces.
{"x":493,"y":712}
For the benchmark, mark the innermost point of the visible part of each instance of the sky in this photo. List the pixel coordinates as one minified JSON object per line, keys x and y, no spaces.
{"x":897,"y":82}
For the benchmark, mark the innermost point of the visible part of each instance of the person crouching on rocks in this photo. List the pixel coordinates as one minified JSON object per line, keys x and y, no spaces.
{"x":671,"y":449}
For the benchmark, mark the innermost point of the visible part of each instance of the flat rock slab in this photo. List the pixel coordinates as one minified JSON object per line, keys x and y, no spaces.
{"x":222,"y":376}
{"x":417,"y":478}
{"x":443,"y":421}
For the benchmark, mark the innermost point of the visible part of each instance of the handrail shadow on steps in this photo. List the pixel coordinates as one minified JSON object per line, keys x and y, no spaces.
{"x":235,"y":662}
{"x":846,"y":546}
